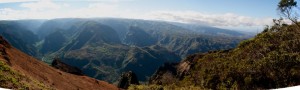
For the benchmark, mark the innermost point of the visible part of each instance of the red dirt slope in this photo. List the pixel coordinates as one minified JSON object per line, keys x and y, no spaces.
{"x":49,"y":76}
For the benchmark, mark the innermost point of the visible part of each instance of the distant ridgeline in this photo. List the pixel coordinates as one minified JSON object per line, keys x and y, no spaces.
{"x":103,"y":48}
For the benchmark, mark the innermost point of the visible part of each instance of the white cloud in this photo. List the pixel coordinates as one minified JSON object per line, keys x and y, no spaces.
{"x":8,"y":13}
{"x":93,"y":10}
{"x":227,"y":19}
{"x":43,"y":5}
{"x":11,"y":14}
{"x":47,"y":9}
{"x":107,"y":1}
{"x":14,"y":1}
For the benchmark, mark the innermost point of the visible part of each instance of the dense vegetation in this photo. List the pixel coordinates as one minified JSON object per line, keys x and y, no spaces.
{"x":270,"y":60}
{"x":12,"y":79}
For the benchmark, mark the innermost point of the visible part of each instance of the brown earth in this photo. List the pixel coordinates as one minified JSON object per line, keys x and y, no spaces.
{"x":49,"y":76}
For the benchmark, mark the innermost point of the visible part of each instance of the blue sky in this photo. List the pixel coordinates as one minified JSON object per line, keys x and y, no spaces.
{"x":246,"y":14}
{"x":255,"y":8}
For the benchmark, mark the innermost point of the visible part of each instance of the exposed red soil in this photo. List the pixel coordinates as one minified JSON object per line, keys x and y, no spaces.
{"x":35,"y":69}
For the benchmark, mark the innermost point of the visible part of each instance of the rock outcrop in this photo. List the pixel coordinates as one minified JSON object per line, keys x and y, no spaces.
{"x":128,"y":78}
{"x":58,"y":64}
{"x":172,"y":72}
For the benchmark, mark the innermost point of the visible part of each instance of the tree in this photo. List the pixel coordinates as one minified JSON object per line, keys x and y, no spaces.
{"x":287,"y":10}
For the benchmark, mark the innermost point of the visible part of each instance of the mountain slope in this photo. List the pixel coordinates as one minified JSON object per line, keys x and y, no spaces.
{"x":103,"y":48}
{"x":19,"y":37}
{"x":53,"y":42}
{"x":270,"y":60}
{"x":39,"y":73}
{"x":176,"y":38}
{"x":137,"y":37}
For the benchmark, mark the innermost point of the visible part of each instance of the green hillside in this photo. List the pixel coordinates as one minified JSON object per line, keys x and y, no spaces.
{"x":270,"y":60}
